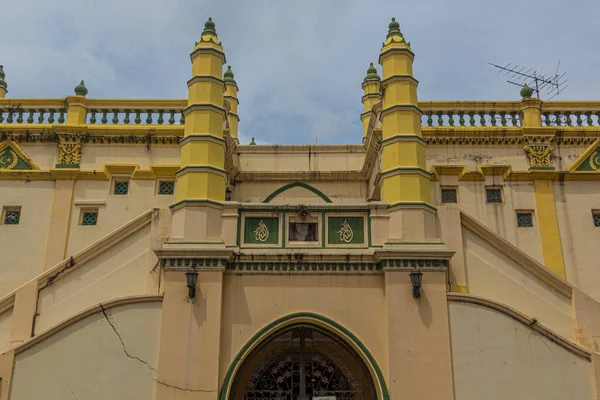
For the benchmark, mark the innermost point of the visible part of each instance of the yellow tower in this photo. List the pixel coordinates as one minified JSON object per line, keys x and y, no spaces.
{"x":404,"y":181}
{"x":231,"y":91}
{"x":3,"y":84}
{"x":403,"y":177}
{"x":372,"y":87}
{"x":201,"y":178}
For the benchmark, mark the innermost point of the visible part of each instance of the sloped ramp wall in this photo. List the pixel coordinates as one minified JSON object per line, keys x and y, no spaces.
{"x":86,"y":360}
{"x":495,"y":357}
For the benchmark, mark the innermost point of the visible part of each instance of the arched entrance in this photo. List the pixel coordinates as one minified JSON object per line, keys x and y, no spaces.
{"x":302,"y":362}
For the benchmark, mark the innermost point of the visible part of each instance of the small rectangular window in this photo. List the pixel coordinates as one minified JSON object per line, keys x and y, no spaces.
{"x":596,"y":215}
{"x":166,"y":187}
{"x":89,"y":217}
{"x":304,"y":232}
{"x":11,"y":215}
{"x":121,"y":187}
{"x":449,"y":195}
{"x":493,"y":195}
{"x":524,"y":219}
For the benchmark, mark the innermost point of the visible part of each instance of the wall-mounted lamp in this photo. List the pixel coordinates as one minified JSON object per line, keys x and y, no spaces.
{"x":228,"y":194}
{"x":416,"y":278}
{"x":191,"y":276}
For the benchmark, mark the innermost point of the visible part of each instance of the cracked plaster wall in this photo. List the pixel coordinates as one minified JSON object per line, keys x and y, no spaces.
{"x":87,"y":360}
{"x":495,"y":357}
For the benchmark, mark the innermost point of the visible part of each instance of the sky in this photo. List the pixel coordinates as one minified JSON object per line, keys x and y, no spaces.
{"x":299,"y":64}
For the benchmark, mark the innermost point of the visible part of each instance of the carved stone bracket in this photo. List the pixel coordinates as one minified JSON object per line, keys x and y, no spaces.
{"x":69,"y":155}
{"x":539,"y":155}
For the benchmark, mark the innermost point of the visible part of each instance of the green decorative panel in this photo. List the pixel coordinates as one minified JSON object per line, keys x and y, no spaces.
{"x":9,"y":159}
{"x":259,"y":230}
{"x":592,"y":163}
{"x":346,"y":230}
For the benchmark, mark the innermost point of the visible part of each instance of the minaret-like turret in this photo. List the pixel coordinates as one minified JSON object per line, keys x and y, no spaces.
{"x":3,"y":84}
{"x":404,"y":179}
{"x":231,"y":91}
{"x":372,"y":87}
{"x":201,"y":178}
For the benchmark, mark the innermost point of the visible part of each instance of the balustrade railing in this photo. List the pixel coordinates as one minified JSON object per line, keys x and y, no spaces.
{"x":571,"y":113}
{"x":135,"y":112}
{"x":32,"y":111}
{"x":470,"y":114}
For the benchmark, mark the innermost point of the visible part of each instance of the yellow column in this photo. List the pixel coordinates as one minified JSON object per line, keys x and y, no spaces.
{"x":543,"y":185}
{"x":202,"y":176}
{"x":3,"y":84}
{"x":372,"y":87}
{"x":231,"y":91}
{"x":404,"y":179}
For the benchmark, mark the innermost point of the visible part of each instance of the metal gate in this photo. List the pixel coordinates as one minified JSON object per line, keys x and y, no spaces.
{"x":301,"y":363}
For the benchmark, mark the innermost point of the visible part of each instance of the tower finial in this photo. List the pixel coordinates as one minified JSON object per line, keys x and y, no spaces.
{"x":372,"y":73}
{"x":394,"y":28}
{"x":3,"y":83}
{"x":209,"y":27}
{"x":81,"y":90}
{"x":228,"y":76}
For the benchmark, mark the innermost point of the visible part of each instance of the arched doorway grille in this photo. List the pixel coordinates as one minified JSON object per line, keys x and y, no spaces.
{"x":303,"y":362}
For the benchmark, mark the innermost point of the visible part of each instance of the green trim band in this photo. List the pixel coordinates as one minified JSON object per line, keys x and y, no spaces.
{"x":404,"y":170}
{"x":204,"y":78}
{"x":203,"y":106}
{"x":281,"y":323}
{"x":401,"y":78}
{"x":211,"y":50}
{"x":293,"y":185}
{"x":402,"y":107}
{"x":404,"y":138}
{"x":386,"y":52}
{"x":202,"y":137}
{"x":200,"y":168}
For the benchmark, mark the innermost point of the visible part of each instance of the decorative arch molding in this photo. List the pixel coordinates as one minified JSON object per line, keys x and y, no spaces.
{"x":315,"y":319}
{"x":297,"y":184}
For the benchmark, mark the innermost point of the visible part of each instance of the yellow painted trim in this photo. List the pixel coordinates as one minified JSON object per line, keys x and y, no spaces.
{"x":460,"y":289}
{"x":548,"y":223}
{"x":581,"y":159}
{"x":523,"y":319}
{"x":122,"y":301}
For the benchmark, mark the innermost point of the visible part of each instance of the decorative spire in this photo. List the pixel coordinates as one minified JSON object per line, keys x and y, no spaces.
{"x":394,"y":28}
{"x":81,"y":90}
{"x":209,"y":27}
{"x":372,"y":73}
{"x":526,"y":92}
{"x":3,"y":83}
{"x":228,"y":76}
{"x":252,"y":143}
{"x":394,"y":35}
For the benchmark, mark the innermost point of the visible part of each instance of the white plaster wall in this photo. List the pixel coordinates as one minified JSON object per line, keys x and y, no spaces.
{"x":493,"y":275}
{"x":24,"y":245}
{"x":94,"y":156}
{"x":495,"y":357}
{"x":580,"y":239}
{"x":44,"y":155}
{"x":473,"y":156}
{"x":5,"y":325}
{"x":119,"y":272}
{"x":86,"y":360}
{"x":113,"y":210}
{"x":302,"y":158}
{"x":338,"y":191}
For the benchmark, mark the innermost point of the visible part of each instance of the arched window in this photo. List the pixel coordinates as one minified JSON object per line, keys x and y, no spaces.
{"x":303,"y":362}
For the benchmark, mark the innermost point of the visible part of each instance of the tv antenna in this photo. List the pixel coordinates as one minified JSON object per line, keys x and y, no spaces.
{"x":549,"y":85}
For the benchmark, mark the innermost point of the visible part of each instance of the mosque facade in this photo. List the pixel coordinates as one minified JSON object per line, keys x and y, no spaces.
{"x":148,"y":254}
